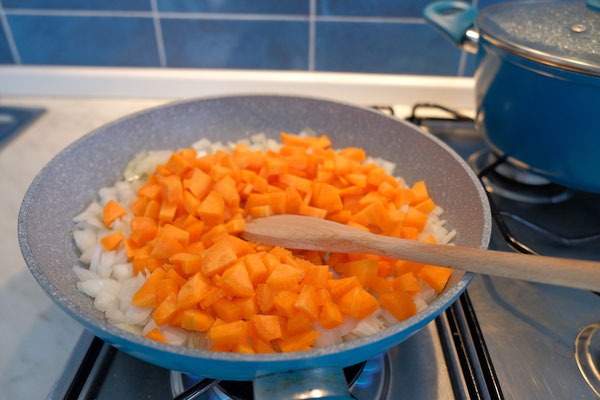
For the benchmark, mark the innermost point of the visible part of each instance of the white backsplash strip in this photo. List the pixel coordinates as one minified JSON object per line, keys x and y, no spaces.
{"x":366,"y":89}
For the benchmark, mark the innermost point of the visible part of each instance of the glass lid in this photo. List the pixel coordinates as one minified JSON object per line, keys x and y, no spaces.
{"x":562,"y":34}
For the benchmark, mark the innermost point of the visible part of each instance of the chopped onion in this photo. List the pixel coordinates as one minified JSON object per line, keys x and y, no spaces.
{"x":138,"y":315}
{"x":84,"y":274}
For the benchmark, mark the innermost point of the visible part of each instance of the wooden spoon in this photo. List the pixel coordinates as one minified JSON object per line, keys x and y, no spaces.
{"x":309,"y":233}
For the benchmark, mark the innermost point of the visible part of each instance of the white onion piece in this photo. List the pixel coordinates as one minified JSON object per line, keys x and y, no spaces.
{"x":104,"y":299}
{"x":427,"y":293}
{"x":128,"y":289}
{"x":149,"y":326}
{"x":388,"y":318}
{"x":419,"y":302}
{"x":347,"y":326}
{"x":90,"y":287}
{"x":107,"y":194}
{"x":84,"y":274}
{"x":84,"y":239}
{"x":138,"y":315}
{"x":125,"y":193}
{"x":104,"y":267}
{"x":95,"y":260}
{"x":114,"y":315}
{"x":122,"y":272}
{"x":174,"y":335}
{"x":93,"y":210}
{"x":328,"y":338}
{"x":368,"y":326}
{"x":136,"y":330}
{"x":86,"y":256}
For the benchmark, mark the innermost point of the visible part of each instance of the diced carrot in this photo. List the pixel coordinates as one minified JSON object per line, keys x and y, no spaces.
{"x":193,"y":291}
{"x":260,"y":346}
{"x":426,"y":206}
{"x":298,"y":322}
{"x":382,"y":285}
{"x":218,"y":257}
{"x":430,"y":239}
{"x":175,"y":277}
{"x":112,"y":241}
{"x":165,"y":288}
{"x":155,"y":334}
{"x":299,"y":342}
{"x":407,"y":283}
{"x":138,"y":207}
{"x":235,"y":226}
{"x":403,"y":197}
{"x":267,"y":327}
{"x":285,"y":301}
{"x":152,"y":210}
{"x":195,"y":231}
{"x":419,"y":191}
{"x":112,"y":211}
{"x":402,"y":267}
{"x":190,"y":264}
{"x":213,"y":295}
{"x":436,"y":277}
{"x":317,"y":276}
{"x":165,"y":247}
{"x":284,"y":277}
{"x":307,"y":302}
{"x":229,"y":333}
{"x":312,"y":211}
{"x":400,"y":304}
{"x":331,"y":316}
{"x":365,"y":270}
{"x":410,"y":233}
{"x":211,"y":209}
{"x":261,"y":211}
{"x":178,"y":164}
{"x":339,"y":287}
{"x":130,"y":248}
{"x":243,"y":348}
{"x":214,"y":234}
{"x":167,"y":212}
{"x":172,"y":190}
{"x":248,"y":305}
{"x":165,"y":310}
{"x":227,"y":310}
{"x":265,"y":297}
{"x":236,"y":281}
{"x":199,"y":184}
{"x":385,"y":268}
{"x":257,"y":271}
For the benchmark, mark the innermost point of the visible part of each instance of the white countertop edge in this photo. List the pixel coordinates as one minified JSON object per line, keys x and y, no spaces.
{"x":116,"y":82}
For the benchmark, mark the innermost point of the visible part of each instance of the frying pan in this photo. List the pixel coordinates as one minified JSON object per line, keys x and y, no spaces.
{"x":71,"y":180}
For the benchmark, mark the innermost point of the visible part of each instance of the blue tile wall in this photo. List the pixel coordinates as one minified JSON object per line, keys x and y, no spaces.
{"x":300,"y":7}
{"x":367,"y":36}
{"x":236,"y":44}
{"x":372,"y":47}
{"x":110,"y":41}
{"x":5,"y":54}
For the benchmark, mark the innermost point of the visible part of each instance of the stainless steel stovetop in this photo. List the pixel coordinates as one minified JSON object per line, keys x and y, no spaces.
{"x":502,"y":339}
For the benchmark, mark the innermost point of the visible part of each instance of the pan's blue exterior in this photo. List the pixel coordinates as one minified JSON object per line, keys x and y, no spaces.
{"x":545,"y":117}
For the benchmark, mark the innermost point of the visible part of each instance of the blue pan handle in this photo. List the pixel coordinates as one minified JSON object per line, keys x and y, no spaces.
{"x":316,"y":383}
{"x":452,"y":18}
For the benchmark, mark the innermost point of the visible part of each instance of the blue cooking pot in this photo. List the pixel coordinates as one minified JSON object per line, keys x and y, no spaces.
{"x":537,"y":82}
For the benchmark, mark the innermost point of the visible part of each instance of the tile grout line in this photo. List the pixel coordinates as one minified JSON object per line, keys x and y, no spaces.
{"x":311,"y":35}
{"x":462,"y":63}
{"x":209,"y":16}
{"x":9,"y":36}
{"x":160,"y":43}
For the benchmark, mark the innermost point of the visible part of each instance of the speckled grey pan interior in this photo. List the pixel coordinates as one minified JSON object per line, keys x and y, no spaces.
{"x":71,"y":180}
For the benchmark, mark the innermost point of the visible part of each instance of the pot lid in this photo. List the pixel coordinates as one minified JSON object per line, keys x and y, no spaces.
{"x":564,"y":35}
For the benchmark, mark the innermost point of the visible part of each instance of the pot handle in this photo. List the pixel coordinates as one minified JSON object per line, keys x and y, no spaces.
{"x":316,"y":383}
{"x":454,"y":19}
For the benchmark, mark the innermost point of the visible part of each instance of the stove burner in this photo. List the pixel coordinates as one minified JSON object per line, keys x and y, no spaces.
{"x":369,"y":378}
{"x":516,"y":183}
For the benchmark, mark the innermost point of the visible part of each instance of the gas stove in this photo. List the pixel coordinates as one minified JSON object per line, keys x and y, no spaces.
{"x":502,"y":339}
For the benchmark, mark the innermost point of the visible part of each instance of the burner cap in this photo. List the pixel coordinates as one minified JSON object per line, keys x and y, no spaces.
{"x":515,"y":182}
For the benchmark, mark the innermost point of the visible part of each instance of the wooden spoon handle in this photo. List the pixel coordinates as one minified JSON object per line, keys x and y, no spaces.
{"x":303,"y":233}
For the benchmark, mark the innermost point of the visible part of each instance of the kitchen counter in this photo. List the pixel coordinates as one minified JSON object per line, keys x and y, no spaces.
{"x":38,"y":337}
